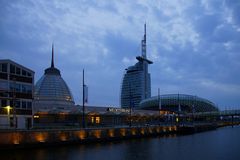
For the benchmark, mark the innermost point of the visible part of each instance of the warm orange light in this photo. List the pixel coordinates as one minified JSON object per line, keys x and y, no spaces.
{"x":142,"y":131}
{"x":81,"y":134}
{"x":158,"y":130}
{"x":97,"y":133}
{"x":150,"y":130}
{"x":92,"y":119}
{"x":63,"y":137}
{"x":123,"y":132}
{"x":133,"y":131}
{"x":97,"y":120}
{"x":16,"y":138}
{"x":15,"y":141}
{"x":111,"y":133}
{"x":41,"y":137}
{"x":175,"y":128}
{"x":170,"y":128}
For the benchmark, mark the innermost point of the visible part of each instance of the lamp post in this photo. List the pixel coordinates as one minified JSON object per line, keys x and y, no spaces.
{"x":179,"y":110}
{"x":8,"y":113}
{"x":159,"y":105}
{"x":83,"y":102}
{"x":130,"y":106}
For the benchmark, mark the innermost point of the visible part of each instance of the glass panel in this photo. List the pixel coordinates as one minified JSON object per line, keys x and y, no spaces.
{"x":15,"y":86}
{"x":24,"y":89}
{"x":17,"y":104}
{"x":4,"y":102}
{"x":29,"y":105}
{"x":24,"y":73}
{"x":52,"y":87}
{"x":24,"y":104}
{"x":18,"y":70}
{"x":4,"y":67}
{"x":3,"y":85}
{"x":28,"y":89}
{"x":12,"y":69}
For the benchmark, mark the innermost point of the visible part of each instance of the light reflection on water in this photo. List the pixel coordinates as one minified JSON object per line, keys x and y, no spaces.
{"x":221,"y":144}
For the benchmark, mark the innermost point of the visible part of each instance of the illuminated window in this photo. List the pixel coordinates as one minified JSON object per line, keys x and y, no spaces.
{"x":97,"y":120}
{"x":92,"y":119}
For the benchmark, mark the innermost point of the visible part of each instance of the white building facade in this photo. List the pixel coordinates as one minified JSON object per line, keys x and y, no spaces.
{"x":16,"y":95}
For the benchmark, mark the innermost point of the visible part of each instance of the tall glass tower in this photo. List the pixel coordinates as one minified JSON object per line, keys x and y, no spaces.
{"x":136,"y":84}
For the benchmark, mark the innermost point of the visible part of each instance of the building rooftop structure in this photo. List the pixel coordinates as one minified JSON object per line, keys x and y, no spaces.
{"x":178,"y":103}
{"x":136,"y":83}
{"x":51,"y":91}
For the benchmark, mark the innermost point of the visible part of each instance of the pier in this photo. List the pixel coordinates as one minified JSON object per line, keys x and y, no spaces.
{"x":46,"y":137}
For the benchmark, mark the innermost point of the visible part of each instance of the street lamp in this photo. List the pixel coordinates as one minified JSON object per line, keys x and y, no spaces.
{"x":8,"y":108}
{"x":130,"y":104}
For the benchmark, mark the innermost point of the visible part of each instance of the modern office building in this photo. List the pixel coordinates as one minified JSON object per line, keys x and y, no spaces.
{"x":136,"y":83}
{"x":16,"y":95}
{"x":178,"y":103}
{"x":51,"y":91}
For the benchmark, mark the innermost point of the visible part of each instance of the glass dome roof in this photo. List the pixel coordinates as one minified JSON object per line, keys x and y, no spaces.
{"x":51,"y":88}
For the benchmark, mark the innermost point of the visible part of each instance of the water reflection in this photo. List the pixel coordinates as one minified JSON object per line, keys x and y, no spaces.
{"x":138,"y":149}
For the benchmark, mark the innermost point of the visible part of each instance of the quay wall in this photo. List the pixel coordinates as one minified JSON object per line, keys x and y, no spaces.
{"x":25,"y":138}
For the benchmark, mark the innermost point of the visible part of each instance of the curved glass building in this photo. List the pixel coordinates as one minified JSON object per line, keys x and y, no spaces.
{"x":136,"y":83}
{"x":51,"y":91}
{"x":178,"y":102}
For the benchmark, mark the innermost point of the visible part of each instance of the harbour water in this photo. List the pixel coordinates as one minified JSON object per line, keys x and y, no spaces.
{"x":220,"y":144}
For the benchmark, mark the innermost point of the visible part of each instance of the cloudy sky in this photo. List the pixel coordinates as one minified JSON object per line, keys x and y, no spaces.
{"x":195,"y":45}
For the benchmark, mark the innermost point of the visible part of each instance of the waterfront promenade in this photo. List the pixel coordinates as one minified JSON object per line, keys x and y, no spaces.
{"x":42,"y":137}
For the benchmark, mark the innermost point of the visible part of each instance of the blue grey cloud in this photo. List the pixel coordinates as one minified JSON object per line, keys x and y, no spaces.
{"x":194,"y":44}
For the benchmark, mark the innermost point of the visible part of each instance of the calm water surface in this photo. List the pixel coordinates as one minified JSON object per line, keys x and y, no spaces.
{"x":220,"y":144}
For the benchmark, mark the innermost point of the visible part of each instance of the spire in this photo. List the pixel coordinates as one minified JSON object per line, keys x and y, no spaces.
{"x":144,"y":43}
{"x":145,"y":32}
{"x":52,"y":63}
{"x":52,"y":70}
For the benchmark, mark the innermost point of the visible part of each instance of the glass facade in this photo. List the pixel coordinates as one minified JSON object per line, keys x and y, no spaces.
{"x":51,"y":91}
{"x":136,"y":83}
{"x":52,"y":87}
{"x":133,"y":86}
{"x":171,"y":102}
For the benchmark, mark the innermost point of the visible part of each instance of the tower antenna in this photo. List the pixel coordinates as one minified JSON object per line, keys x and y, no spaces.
{"x":144,"y":43}
{"x":52,"y":63}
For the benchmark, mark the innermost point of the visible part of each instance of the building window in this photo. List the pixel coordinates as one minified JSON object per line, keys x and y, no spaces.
{"x":11,"y":103}
{"x":3,"y":85}
{"x":17,"y":104}
{"x":18,"y":70}
{"x":12,"y":69}
{"x":28,"y":89}
{"x":24,"y":104}
{"x":15,"y":87}
{"x":92,"y":119}
{"x":24,"y":90}
{"x":29,"y":105}
{"x":97,"y":120}
{"x":4,"y":67}
{"x":24,"y":73}
{"x":4,"y":102}
{"x":29,"y":74}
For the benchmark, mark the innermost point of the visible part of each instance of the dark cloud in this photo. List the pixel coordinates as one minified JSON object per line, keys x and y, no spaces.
{"x":194,"y":45}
